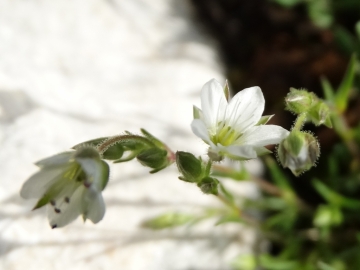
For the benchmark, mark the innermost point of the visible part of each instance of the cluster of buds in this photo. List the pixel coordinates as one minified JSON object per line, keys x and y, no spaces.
{"x":300,"y":150}
{"x":304,"y":102}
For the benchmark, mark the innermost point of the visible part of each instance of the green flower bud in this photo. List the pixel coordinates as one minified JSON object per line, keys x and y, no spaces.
{"x":189,"y":166}
{"x":327,"y":216}
{"x":298,"y":152}
{"x":299,"y":101}
{"x":209,"y":185}
{"x":154,"y":158}
{"x":320,"y":114}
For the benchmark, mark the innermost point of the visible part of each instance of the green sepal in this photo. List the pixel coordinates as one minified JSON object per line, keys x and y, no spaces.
{"x":264,"y":119}
{"x":114,"y":152}
{"x":153,"y":139}
{"x":105,"y":174}
{"x":197,"y":113}
{"x":227,"y":90}
{"x":209,"y":185}
{"x":154,"y":158}
{"x":189,"y":166}
{"x":131,"y":156}
{"x":320,"y":114}
{"x":43,"y":201}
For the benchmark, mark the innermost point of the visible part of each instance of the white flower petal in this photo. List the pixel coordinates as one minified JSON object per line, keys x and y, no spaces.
{"x":245,"y":109}
{"x":213,"y":103}
{"x":93,"y":205}
{"x":40,"y":182}
{"x":263,"y":135}
{"x":239,"y":151}
{"x":66,"y":211}
{"x":56,"y":160}
{"x":199,"y":129}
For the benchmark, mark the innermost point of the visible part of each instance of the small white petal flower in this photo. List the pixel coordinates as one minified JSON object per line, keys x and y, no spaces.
{"x":70,"y":184}
{"x":234,"y":129}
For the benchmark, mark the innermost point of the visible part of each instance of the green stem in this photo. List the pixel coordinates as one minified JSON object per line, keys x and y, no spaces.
{"x":123,"y":138}
{"x":300,"y":121}
{"x":247,"y":218}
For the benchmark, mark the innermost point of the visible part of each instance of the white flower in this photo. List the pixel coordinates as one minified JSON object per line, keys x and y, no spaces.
{"x":235,"y":129}
{"x":70,"y":184}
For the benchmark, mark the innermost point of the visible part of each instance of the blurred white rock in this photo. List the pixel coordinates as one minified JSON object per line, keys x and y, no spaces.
{"x":74,"y":70}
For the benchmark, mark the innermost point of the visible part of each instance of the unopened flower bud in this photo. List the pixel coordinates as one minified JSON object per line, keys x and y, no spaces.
{"x":299,"y":101}
{"x":298,"y":152}
{"x":320,"y":114}
{"x":209,"y":185}
{"x":154,"y":158}
{"x":189,"y":166}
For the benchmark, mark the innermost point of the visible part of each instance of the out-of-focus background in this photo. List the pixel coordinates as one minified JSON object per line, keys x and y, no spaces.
{"x":75,"y":70}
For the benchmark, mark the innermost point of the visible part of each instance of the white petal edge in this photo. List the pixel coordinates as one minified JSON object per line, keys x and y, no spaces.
{"x":245,"y":109}
{"x":93,"y":205}
{"x":213,"y":103}
{"x":55,"y":160}
{"x":68,"y":211}
{"x":263,"y":135}
{"x":239,"y":151}
{"x":199,"y":128}
{"x":40,"y":182}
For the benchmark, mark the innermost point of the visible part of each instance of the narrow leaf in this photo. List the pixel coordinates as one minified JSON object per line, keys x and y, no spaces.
{"x":342,"y":95}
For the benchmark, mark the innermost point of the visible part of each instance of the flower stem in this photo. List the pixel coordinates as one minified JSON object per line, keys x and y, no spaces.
{"x":300,"y":121}
{"x":123,"y":138}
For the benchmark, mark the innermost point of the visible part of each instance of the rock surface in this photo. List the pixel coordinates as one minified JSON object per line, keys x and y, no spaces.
{"x":75,"y":70}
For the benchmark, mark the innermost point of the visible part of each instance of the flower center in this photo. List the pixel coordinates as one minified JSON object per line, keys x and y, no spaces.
{"x":225,"y":135}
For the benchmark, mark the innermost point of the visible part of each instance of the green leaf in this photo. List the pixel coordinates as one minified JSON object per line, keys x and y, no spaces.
{"x":357,"y":29}
{"x":277,"y":175}
{"x":328,"y":90}
{"x":333,"y":197}
{"x":287,"y":3}
{"x":226,"y":193}
{"x":273,"y":263}
{"x":320,"y":13}
{"x":345,"y":40}
{"x":229,"y":219}
{"x":343,"y":92}
{"x":168,"y":220}
{"x":245,"y":262}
